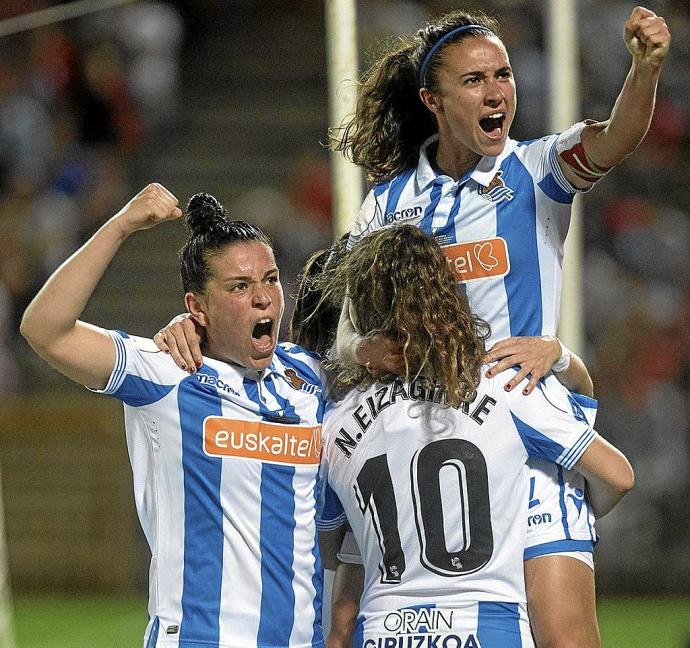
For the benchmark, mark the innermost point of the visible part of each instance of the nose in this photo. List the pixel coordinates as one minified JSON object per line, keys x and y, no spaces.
{"x":494,"y":93}
{"x":261,"y":297}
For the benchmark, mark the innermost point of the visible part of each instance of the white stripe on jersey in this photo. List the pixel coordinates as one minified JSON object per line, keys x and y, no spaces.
{"x":225,"y":466}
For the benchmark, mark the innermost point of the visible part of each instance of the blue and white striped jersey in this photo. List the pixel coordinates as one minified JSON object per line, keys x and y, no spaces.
{"x":225,"y":465}
{"x":437,"y":501}
{"x":502,"y":227}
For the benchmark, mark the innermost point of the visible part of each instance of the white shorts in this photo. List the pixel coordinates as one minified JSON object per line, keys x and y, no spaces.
{"x":559,"y":517}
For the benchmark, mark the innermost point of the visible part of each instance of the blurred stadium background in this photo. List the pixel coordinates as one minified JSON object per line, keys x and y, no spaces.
{"x":230,"y":97}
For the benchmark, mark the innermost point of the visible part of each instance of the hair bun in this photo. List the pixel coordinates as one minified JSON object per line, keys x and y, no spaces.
{"x":204,"y":212}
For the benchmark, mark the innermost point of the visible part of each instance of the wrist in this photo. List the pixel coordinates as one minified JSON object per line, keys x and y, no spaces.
{"x":120,"y":227}
{"x":563,"y":361}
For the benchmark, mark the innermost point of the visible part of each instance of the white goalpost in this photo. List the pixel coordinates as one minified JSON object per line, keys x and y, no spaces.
{"x":564,"y":95}
{"x":343,"y":72}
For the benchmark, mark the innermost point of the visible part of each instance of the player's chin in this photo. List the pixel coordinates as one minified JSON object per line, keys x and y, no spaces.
{"x":261,"y":361}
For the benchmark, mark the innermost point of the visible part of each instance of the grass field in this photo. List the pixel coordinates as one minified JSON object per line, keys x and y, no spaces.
{"x":119,"y":623}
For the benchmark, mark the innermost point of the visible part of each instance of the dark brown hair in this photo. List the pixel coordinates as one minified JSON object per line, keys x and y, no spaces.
{"x":210,"y":231}
{"x":390,"y":122}
{"x":315,"y":318}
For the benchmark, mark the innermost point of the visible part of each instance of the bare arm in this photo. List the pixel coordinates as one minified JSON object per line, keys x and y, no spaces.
{"x":607,"y":143}
{"x":83,"y":352}
{"x":608,"y":473}
{"x":348,"y":586}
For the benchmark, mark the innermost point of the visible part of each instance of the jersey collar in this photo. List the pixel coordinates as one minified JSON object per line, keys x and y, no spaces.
{"x":483,"y":173}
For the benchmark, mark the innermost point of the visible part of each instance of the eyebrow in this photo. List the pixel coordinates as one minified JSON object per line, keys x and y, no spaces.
{"x":504,"y":68}
{"x":273,"y":270}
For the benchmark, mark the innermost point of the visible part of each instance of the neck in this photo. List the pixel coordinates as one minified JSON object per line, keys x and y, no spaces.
{"x":455,"y":161}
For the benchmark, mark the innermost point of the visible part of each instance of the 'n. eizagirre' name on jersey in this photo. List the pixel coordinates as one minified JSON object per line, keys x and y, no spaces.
{"x":437,"y":496}
{"x":225,"y":465}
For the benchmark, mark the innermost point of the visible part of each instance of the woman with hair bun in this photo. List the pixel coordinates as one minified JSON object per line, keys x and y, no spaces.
{"x":225,"y":454}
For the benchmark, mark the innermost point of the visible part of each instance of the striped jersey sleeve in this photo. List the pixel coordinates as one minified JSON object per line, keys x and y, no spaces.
{"x":551,"y":423}
{"x":142,"y":373}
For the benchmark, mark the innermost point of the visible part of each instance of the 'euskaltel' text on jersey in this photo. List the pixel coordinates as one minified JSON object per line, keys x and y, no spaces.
{"x":502,"y":227}
{"x":436,"y":498}
{"x":225,"y":467}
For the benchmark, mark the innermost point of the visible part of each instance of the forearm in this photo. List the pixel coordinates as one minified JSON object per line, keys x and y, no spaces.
{"x":54,"y":311}
{"x":609,"y":143}
{"x":348,"y":585}
{"x":576,"y":377}
{"x":347,"y":338}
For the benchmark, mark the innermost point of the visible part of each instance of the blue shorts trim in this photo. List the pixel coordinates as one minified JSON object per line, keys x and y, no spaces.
{"x":558,"y":546}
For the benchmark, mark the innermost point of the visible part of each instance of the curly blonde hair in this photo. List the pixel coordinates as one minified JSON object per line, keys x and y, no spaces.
{"x":399,"y":285}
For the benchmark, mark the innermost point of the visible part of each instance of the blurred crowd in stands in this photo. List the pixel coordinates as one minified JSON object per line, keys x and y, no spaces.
{"x":78,"y":100}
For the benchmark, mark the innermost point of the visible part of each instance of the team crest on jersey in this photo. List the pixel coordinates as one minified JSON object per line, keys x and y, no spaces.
{"x":496,"y":190}
{"x":300,"y":384}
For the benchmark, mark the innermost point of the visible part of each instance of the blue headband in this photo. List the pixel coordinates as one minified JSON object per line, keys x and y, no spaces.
{"x":439,"y":43}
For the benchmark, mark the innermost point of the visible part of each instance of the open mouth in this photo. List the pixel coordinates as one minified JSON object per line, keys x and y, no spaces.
{"x":493,"y":124}
{"x":262,"y":335}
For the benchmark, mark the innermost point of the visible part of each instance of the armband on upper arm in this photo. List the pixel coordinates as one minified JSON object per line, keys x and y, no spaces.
{"x":571,"y":150}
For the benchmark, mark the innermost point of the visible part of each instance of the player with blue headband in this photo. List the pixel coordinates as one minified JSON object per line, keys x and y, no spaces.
{"x":431,"y":130}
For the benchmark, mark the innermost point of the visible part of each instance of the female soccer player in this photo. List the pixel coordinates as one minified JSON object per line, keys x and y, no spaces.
{"x":429,"y":466}
{"x":225,"y":461}
{"x":431,"y":130}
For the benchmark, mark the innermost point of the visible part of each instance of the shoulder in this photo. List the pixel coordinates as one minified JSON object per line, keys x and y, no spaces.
{"x":299,"y":365}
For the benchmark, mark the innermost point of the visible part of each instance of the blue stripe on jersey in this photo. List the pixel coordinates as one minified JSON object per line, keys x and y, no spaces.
{"x":498,"y":625}
{"x":358,"y":634}
{"x":554,"y":191}
{"x":562,"y":503}
{"x":558,"y":546}
{"x":203,"y":517}
{"x":317,"y":584}
{"x":285,"y":405}
{"x":450,"y":230}
{"x":516,"y":223}
{"x":137,"y":391}
{"x":536,"y":444}
{"x":381,"y":187}
{"x":396,"y":188}
{"x":434,"y":197}
{"x":153,"y":635}
{"x":276,"y":544}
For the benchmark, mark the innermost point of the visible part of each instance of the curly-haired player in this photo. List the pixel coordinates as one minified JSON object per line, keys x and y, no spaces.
{"x":429,"y":466}
{"x":431,"y":130}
